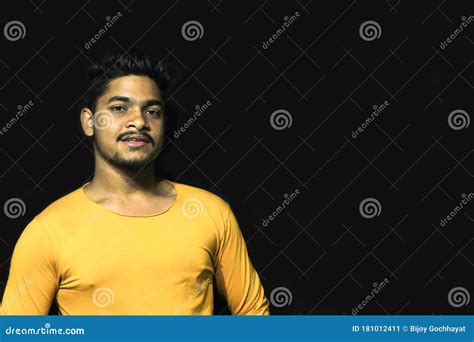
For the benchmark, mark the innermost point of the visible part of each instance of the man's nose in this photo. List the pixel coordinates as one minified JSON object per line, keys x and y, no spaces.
{"x":137,"y":119}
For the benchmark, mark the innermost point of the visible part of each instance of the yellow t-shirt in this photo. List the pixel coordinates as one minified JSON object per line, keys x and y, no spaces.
{"x":97,"y":262}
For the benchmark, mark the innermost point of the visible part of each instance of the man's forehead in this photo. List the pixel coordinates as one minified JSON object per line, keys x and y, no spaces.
{"x":137,"y":88}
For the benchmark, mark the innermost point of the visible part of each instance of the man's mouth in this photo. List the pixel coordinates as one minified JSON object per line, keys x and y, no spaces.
{"x":136,"y":140}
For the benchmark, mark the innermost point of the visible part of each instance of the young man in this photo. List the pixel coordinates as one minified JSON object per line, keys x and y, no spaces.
{"x":128,"y":242}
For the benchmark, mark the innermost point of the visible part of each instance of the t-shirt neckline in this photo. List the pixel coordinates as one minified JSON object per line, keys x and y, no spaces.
{"x":173,"y":205}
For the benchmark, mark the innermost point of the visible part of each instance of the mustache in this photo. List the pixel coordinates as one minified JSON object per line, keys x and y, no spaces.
{"x":126,"y":134}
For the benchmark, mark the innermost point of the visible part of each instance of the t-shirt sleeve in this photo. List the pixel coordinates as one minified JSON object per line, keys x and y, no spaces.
{"x":33,"y":279}
{"x":236,"y":277}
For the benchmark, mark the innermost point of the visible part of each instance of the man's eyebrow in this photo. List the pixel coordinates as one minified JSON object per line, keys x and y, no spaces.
{"x":152,"y":102}
{"x":146,"y":103}
{"x":119,"y":98}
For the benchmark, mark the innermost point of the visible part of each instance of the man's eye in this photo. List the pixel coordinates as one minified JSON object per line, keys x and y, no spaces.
{"x":153,"y":111}
{"x":119,"y":108}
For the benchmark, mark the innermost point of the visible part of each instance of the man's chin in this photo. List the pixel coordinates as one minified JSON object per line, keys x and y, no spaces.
{"x":126,"y":162}
{"x":132,"y":165}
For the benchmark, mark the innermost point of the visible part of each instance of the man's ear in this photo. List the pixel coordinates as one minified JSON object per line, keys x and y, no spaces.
{"x":87,"y":121}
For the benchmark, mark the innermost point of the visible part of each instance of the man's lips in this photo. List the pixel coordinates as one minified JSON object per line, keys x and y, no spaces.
{"x":137,"y":143}
{"x":136,"y":140}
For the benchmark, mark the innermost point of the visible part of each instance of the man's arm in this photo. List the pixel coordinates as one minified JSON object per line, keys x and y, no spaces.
{"x":236,"y":278}
{"x":33,"y":279}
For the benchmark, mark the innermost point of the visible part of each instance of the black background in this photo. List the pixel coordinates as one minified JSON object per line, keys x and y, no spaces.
{"x":328,"y":78}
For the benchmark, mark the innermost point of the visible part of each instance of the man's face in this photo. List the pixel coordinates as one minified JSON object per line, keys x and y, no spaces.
{"x":129,"y":122}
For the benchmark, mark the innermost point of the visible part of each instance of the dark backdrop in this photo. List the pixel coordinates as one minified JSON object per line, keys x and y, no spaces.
{"x":364,"y":207}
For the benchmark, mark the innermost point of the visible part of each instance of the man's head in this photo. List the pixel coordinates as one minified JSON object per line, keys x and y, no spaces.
{"x":125,"y":114}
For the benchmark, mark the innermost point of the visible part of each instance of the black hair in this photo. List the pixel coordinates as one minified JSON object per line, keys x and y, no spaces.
{"x":133,"y":61}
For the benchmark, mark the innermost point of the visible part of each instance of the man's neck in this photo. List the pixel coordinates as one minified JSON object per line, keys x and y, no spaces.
{"x":141,"y":195}
{"x":110,"y":180}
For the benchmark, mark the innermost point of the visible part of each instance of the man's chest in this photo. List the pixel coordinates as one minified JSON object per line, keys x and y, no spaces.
{"x":138,"y":253}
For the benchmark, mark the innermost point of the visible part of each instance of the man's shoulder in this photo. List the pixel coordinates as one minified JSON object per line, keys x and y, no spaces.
{"x":195,"y":202}
{"x":188,"y":193}
{"x":68,"y":205}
